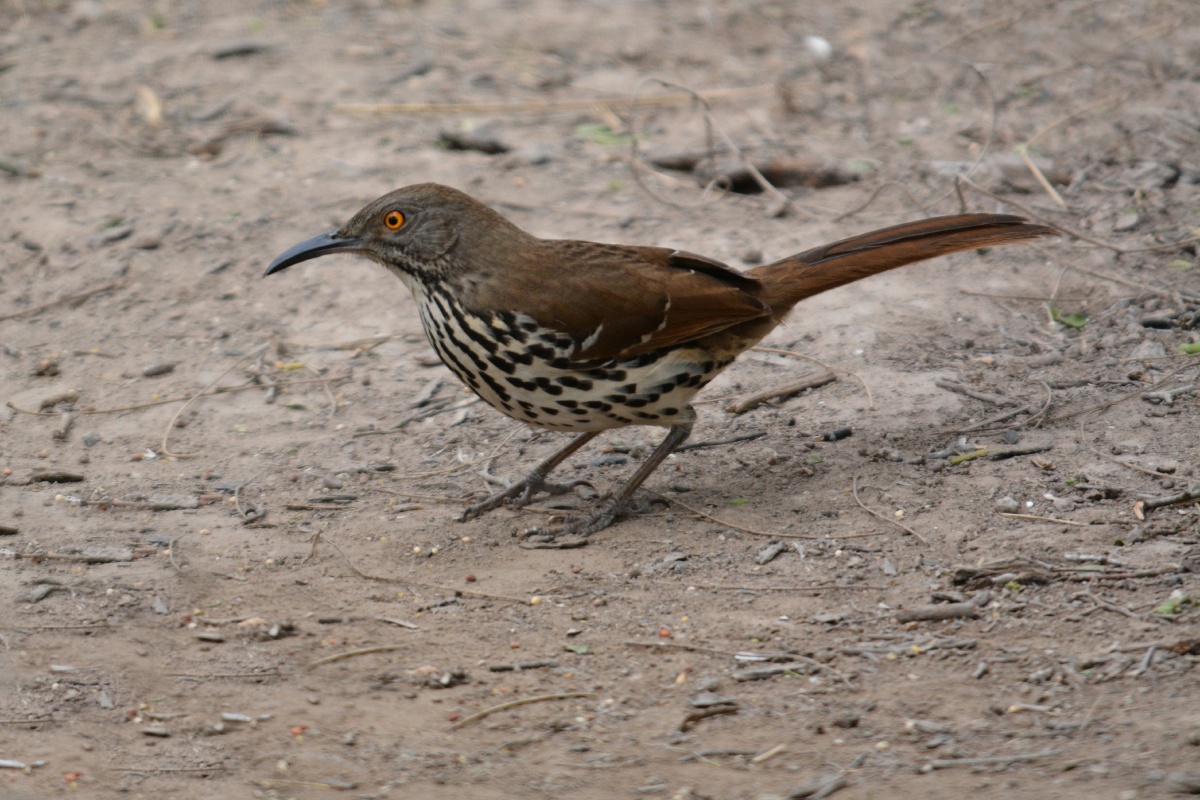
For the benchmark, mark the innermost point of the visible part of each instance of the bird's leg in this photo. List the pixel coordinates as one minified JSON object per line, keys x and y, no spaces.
{"x":522,"y":492}
{"x":617,"y":506}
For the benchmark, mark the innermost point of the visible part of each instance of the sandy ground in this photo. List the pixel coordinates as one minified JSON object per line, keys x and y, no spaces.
{"x":177,"y":576}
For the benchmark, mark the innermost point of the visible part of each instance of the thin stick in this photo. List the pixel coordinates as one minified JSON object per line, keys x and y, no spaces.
{"x":1110,"y":403}
{"x":814,"y":587}
{"x":1127,"y":465}
{"x":943,"y":763}
{"x":1043,"y":519}
{"x":364,"y":651}
{"x":1040,"y":178}
{"x":794,"y":354}
{"x":1133,"y":285}
{"x":541,"y":106}
{"x":165,"y":401}
{"x":541,"y":698}
{"x":877,"y":515}
{"x":1116,"y":98}
{"x":71,"y":298}
{"x":753,"y":532}
{"x":786,"y":390}
{"x":167,"y":433}
{"x":1023,"y":148}
{"x":875,"y":195}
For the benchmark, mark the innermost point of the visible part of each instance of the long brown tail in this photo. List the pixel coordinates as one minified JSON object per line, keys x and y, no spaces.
{"x":792,"y":279}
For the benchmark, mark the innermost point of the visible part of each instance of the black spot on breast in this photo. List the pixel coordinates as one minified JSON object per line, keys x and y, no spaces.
{"x":636,"y":402}
{"x":644,"y":415}
{"x":487,"y":343}
{"x":462,"y":348}
{"x":628,"y":388}
{"x":562,"y":362}
{"x":599,"y":405}
{"x":551,"y":411}
{"x":528,"y":386}
{"x":505,"y":366}
{"x":518,"y":357}
{"x":616,"y":398}
{"x":572,"y":382}
{"x":546,"y":386}
{"x":540,"y":350}
{"x":495,"y":386}
{"x":567,"y":403}
{"x":581,"y":412}
{"x":669,"y":412}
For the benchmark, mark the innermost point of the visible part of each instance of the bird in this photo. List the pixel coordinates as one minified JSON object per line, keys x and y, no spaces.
{"x":583,"y":337}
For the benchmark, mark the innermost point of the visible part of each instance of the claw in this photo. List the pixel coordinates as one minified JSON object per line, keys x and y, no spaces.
{"x":518,"y":495}
{"x":558,"y":536}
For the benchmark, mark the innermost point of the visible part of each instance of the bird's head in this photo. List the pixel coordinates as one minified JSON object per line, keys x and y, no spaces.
{"x":415,"y":231}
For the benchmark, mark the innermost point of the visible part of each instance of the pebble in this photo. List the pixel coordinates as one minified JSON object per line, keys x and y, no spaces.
{"x":1126,"y":222}
{"x":1064,"y":505}
{"x":1007,"y":505}
{"x":115,"y":234}
{"x":708,"y":700}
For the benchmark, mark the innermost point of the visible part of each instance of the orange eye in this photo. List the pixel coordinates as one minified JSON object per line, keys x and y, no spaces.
{"x":393,"y":220}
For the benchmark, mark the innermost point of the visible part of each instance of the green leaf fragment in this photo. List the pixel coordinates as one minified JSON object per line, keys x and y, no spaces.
{"x":1075,"y":320}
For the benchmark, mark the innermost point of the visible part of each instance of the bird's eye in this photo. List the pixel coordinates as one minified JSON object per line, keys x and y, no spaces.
{"x":393,"y":220}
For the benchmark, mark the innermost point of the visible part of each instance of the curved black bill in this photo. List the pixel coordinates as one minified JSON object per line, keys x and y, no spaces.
{"x":317,"y":246}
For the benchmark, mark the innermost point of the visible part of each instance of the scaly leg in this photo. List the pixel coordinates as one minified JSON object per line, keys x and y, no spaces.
{"x":619,"y":505}
{"x":522,"y":492}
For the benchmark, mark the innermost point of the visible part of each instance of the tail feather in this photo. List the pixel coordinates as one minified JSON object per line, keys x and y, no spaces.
{"x":790,"y":280}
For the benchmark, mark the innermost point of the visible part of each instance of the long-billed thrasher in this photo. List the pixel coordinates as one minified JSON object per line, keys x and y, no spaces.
{"x":584,"y":337}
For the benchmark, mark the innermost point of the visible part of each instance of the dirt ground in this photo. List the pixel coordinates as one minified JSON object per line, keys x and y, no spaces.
{"x":180,"y":571}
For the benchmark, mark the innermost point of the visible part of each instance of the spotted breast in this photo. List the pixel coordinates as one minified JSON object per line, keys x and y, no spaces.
{"x":533,"y":374}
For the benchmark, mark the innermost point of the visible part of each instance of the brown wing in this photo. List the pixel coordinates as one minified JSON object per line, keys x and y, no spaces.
{"x":618,"y":301}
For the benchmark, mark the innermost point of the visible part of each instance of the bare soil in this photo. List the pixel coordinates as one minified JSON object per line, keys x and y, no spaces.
{"x":175,"y":567}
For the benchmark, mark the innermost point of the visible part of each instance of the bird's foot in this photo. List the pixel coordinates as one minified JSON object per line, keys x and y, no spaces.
{"x":574,"y":532}
{"x":519,"y":494}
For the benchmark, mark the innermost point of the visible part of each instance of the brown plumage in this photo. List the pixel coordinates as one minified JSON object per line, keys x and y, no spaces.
{"x":585,"y":337}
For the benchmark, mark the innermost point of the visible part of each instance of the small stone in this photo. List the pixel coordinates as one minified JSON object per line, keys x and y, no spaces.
{"x":1064,"y":505}
{"x":708,"y":700}
{"x":115,"y":233}
{"x":91,"y":439}
{"x":1126,"y":222}
{"x":331,"y":482}
{"x":171,"y":502}
{"x":1007,"y":505}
